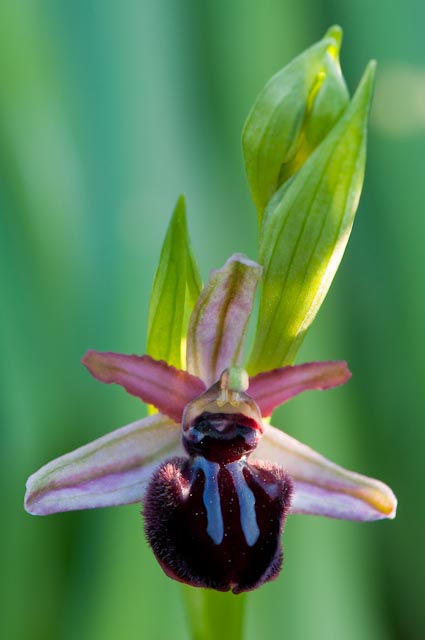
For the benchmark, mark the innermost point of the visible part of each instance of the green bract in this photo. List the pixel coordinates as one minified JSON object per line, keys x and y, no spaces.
{"x":291,"y":116}
{"x":305,"y":230}
{"x":176,"y":288}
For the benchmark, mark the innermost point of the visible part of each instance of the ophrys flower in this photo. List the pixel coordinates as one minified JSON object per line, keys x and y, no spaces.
{"x":217,"y":479}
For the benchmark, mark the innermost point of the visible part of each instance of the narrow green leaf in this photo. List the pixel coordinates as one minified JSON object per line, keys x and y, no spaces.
{"x":305,"y":232}
{"x":292,"y":114}
{"x":176,"y":287}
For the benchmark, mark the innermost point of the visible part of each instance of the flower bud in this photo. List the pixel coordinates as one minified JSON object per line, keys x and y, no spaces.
{"x":305,"y":229}
{"x":291,"y":116}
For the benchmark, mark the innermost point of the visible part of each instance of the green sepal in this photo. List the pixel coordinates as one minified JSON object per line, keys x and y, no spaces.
{"x":176,"y":287}
{"x":290,"y":117}
{"x":305,"y":231}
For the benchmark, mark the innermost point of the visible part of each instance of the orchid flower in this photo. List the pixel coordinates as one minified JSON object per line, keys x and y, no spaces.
{"x":216,"y":478}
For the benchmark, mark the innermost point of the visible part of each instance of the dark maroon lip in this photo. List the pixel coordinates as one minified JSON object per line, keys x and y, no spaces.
{"x":218,"y":528}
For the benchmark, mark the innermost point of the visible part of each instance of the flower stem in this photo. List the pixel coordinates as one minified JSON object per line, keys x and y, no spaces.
{"x":213,"y":614}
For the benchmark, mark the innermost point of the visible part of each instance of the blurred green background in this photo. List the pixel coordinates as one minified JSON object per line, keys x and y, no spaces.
{"x":109,"y":110}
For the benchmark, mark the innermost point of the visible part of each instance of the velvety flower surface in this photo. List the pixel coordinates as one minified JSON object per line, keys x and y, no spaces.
{"x":216,"y":478}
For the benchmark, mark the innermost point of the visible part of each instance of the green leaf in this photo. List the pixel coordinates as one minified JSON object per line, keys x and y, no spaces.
{"x":305,"y":231}
{"x":290,"y":117}
{"x":176,"y":287}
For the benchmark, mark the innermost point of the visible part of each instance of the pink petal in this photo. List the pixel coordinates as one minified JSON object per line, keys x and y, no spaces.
{"x":219,"y":320}
{"x":154,"y":381}
{"x":110,"y":471}
{"x":321,"y":487}
{"x":272,"y":388}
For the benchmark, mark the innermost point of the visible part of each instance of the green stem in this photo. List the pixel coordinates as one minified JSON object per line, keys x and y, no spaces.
{"x":213,"y":614}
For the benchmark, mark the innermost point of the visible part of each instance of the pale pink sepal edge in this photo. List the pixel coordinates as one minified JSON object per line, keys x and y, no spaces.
{"x":112,"y":470}
{"x":322,"y":487}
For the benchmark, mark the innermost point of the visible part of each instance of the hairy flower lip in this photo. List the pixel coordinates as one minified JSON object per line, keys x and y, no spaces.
{"x":218,"y":525}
